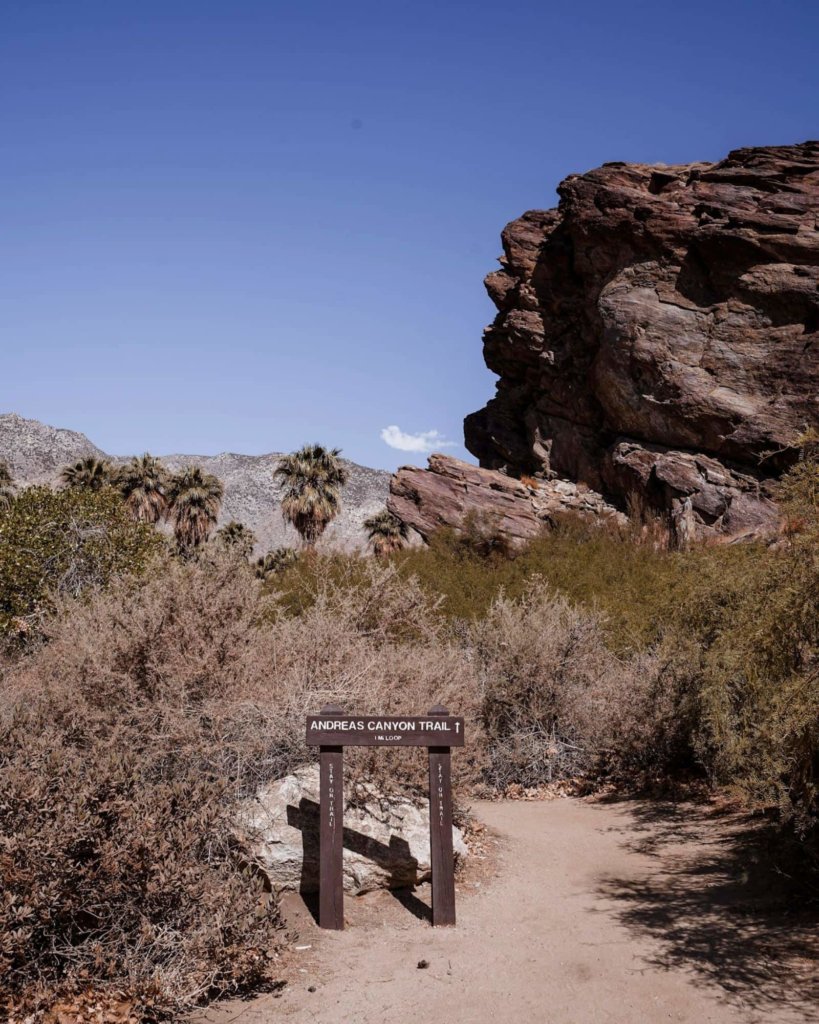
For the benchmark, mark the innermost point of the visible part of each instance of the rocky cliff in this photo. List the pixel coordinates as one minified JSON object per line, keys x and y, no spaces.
{"x":657,"y":335}
{"x":36,"y":453}
{"x":450,"y":490}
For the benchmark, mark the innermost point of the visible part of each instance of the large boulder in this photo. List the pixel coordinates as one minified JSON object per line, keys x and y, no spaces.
{"x":450,"y":491}
{"x":386,"y":839}
{"x":658,"y":335}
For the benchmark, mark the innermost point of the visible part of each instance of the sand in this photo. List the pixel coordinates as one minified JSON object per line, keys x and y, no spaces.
{"x":581,"y":912}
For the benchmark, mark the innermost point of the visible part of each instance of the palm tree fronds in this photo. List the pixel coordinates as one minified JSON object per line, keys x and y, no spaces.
{"x":237,"y":537}
{"x":275,"y":561}
{"x":88,"y":474}
{"x":144,"y":483}
{"x":313,"y":477}
{"x":195,"y":499}
{"x":386,"y":533}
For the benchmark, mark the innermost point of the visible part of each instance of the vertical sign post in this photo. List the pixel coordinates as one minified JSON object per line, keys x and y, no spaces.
{"x":440,"y":831}
{"x":331,"y":798}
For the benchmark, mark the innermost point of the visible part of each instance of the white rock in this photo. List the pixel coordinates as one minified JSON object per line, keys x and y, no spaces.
{"x":386,"y":840}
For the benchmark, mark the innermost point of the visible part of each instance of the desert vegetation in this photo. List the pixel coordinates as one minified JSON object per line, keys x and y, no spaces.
{"x":237,"y":537}
{"x":6,"y":486}
{"x":312,"y":478}
{"x":88,"y":474}
{"x":148,"y":688}
{"x":386,"y":533}
{"x":145,"y":485}
{"x":275,"y":561}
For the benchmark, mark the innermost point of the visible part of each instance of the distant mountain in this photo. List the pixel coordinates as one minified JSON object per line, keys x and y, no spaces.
{"x":37,"y":452}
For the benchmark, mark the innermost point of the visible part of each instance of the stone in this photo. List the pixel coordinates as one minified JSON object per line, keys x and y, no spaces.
{"x":450,"y":490}
{"x":658,"y":335}
{"x":386,"y":838}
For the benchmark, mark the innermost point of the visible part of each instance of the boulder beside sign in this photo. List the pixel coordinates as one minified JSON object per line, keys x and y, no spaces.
{"x":386,"y":836}
{"x":385,"y":731}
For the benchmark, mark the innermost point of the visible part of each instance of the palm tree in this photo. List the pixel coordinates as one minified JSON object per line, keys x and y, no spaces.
{"x":237,"y":537}
{"x":88,"y":474}
{"x":144,"y":483}
{"x":195,"y":499}
{"x":6,"y":486}
{"x":313,"y":477}
{"x":275,"y":561}
{"x":386,"y":532}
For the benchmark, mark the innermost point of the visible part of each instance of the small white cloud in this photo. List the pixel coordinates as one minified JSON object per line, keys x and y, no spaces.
{"x":426,"y":441}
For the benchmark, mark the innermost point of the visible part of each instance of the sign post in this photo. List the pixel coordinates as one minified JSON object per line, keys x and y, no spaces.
{"x":440,"y":831}
{"x":331,"y":731}
{"x":331,"y":831}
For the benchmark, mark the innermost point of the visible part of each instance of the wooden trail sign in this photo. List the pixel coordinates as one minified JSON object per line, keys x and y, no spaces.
{"x":438,"y":728}
{"x":331,"y":731}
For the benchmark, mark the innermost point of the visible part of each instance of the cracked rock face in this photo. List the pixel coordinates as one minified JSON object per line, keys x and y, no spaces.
{"x":450,"y":490}
{"x":658,"y":334}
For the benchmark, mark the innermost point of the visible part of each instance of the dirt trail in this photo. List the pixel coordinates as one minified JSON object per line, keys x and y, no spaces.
{"x":614,"y":913}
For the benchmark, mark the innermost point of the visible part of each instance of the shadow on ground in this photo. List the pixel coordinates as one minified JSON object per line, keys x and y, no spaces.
{"x":392,"y":858}
{"x":720,"y":903}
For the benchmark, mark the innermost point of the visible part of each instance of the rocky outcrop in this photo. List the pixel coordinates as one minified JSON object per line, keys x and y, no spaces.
{"x":386,"y":839}
{"x":450,"y":490}
{"x":36,"y":453}
{"x":658,"y":334}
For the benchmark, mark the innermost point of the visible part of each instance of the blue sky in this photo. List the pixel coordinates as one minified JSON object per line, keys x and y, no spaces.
{"x":244,"y":225}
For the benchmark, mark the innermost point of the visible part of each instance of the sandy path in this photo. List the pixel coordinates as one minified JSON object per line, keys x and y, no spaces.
{"x":595,"y":913}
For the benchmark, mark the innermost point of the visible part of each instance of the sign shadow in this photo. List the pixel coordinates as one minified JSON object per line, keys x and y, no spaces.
{"x":305,"y":817}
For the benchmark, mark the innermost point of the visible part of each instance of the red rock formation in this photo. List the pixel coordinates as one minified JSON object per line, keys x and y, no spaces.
{"x":447,"y":492}
{"x":658,"y":333}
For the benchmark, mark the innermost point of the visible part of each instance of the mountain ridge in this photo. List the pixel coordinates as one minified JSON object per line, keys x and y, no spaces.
{"x":36,"y":452}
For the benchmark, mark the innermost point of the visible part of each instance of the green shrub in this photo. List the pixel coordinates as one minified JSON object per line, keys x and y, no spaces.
{"x":756,"y":630}
{"x":596,"y":567}
{"x":55,"y":543}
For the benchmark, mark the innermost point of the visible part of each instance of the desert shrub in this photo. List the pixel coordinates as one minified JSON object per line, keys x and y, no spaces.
{"x":751,"y":614}
{"x":480,"y":535}
{"x":757,"y":634}
{"x":369,"y":640}
{"x":119,"y":870}
{"x":557,"y":702}
{"x":130,"y":742}
{"x":55,"y":543}
{"x":798,"y":490}
{"x":122,"y":760}
{"x":602,"y":568}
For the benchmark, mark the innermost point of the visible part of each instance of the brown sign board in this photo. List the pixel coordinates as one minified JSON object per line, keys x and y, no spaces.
{"x":331,"y":731}
{"x":385,"y":731}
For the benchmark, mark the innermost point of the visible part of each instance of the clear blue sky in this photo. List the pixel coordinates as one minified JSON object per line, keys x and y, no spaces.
{"x":243,"y":225}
